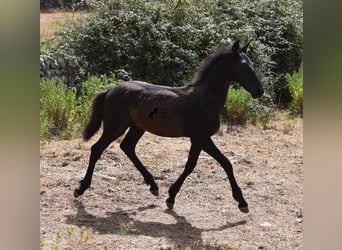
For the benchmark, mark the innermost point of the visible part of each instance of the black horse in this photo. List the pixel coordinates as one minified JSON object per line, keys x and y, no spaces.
{"x":191,"y":111}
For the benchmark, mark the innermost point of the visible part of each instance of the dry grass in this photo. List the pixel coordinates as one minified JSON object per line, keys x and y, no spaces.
{"x":51,"y":23}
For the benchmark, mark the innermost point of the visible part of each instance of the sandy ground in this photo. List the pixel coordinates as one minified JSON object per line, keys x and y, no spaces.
{"x":119,"y":212}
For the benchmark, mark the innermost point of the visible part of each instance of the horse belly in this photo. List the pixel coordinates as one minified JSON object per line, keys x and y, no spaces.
{"x":160,"y":122}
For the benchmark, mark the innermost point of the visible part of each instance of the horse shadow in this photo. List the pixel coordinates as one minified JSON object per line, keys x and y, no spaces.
{"x":181,"y":233}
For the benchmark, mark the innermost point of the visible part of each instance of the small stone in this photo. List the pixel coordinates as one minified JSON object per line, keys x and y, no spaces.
{"x":165,"y":247}
{"x":65,"y":163}
{"x":54,"y":64}
{"x":218,"y":197}
{"x":265,"y":224}
{"x":299,"y":220}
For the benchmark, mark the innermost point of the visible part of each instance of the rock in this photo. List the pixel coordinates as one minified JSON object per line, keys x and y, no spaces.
{"x":47,"y":60}
{"x":61,"y":63}
{"x":163,"y":247}
{"x":54,"y":64}
{"x":47,"y":74}
{"x":265,"y":224}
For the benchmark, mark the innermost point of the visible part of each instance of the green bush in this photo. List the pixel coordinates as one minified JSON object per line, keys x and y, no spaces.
{"x":295,"y":83}
{"x":153,"y":41}
{"x":164,"y":41}
{"x":241,"y":108}
{"x":262,"y":110}
{"x":238,"y":105}
{"x":57,"y":110}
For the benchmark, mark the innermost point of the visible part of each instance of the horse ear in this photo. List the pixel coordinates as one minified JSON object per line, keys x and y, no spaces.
{"x":236,"y":47}
{"x":244,"y":49}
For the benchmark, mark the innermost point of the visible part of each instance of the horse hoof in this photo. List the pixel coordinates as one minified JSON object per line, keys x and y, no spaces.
{"x":76,"y":193}
{"x":154,"y":192}
{"x":244,"y":209}
{"x":169,"y":205}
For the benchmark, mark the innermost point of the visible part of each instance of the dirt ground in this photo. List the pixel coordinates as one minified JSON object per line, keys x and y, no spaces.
{"x":119,"y":212}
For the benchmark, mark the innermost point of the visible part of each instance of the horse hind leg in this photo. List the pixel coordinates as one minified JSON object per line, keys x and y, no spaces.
{"x":96,"y":151}
{"x":189,"y":167}
{"x":128,"y":146}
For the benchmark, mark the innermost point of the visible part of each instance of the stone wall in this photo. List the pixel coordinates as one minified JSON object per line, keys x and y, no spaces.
{"x":57,"y":68}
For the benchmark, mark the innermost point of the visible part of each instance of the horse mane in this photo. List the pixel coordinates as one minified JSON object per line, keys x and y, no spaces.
{"x":209,"y":62}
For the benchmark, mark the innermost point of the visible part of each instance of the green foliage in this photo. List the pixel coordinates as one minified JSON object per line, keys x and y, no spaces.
{"x":164,"y":41}
{"x":88,"y":90}
{"x":241,"y":107}
{"x":262,"y":111}
{"x":57,"y":109}
{"x":238,"y":105}
{"x":295,"y":83}
{"x":63,"y":111}
{"x":69,"y":239}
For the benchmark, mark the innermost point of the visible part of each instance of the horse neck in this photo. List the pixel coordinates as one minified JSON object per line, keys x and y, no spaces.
{"x":216,"y":89}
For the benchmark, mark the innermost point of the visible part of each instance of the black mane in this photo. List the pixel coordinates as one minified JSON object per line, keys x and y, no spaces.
{"x":209,"y":62}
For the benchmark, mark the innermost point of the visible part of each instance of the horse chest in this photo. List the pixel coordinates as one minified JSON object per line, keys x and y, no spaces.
{"x":203,"y":122}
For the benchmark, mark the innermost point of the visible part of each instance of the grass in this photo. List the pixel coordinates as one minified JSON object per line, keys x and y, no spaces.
{"x":295,"y":83}
{"x":53,"y":24}
{"x":58,"y":112}
{"x":64,"y":112}
{"x":125,"y":227}
{"x":69,"y":239}
{"x":241,"y":108}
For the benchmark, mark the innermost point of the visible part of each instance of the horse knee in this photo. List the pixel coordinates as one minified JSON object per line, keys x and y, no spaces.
{"x":126,"y":147}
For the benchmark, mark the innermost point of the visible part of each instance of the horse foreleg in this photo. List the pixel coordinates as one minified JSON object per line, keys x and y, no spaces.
{"x":212,"y":150}
{"x":128,"y":146}
{"x":189,"y":167}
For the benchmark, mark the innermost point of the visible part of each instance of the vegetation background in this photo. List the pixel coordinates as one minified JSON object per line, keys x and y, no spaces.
{"x":87,"y":29}
{"x":164,"y":42}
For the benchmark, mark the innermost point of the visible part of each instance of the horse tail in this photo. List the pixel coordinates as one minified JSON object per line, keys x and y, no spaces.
{"x":95,"y":120}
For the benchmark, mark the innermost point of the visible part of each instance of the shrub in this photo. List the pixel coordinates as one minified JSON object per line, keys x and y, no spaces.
{"x":154,"y":42}
{"x":262,"y":110}
{"x":164,"y":41}
{"x":295,"y":83}
{"x":57,"y":109}
{"x":241,"y":107}
{"x":238,"y":106}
